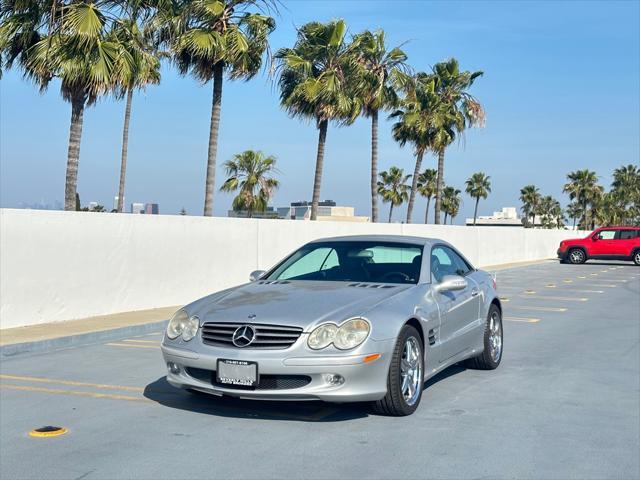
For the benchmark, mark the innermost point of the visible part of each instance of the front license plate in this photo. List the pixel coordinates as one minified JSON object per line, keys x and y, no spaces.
{"x":237,"y":372}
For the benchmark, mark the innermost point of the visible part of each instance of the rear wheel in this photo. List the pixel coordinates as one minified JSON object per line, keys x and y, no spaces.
{"x":577,"y":256}
{"x":636,"y":257}
{"x":490,"y":358}
{"x":406,"y":376}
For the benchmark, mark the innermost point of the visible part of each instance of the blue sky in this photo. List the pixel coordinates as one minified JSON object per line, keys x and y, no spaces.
{"x":561,"y":90}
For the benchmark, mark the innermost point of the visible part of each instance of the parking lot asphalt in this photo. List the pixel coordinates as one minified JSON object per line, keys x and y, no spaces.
{"x":565,"y":403}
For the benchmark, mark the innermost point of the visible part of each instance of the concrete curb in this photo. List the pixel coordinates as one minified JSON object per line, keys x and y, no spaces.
{"x":100,"y":336}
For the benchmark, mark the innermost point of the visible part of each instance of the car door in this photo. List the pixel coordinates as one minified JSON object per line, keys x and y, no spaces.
{"x":602,"y":243}
{"x":458,"y":309}
{"x":624,"y":242}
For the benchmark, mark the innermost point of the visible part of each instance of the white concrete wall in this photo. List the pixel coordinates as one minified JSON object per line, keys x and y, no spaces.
{"x":58,"y":266}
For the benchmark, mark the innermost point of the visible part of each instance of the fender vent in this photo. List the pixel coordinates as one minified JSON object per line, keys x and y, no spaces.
{"x":432,"y":337}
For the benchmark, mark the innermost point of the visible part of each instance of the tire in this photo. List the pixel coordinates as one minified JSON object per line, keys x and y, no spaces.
{"x":395,"y":403}
{"x":636,"y":257}
{"x":576,"y":256}
{"x":491,"y":357}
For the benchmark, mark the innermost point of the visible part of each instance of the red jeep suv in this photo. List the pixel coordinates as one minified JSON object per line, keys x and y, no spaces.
{"x":606,"y":243}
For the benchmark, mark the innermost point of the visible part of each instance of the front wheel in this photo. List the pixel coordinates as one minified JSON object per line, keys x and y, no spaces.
{"x":490,"y":358}
{"x":577,"y":256}
{"x":405,"y":380}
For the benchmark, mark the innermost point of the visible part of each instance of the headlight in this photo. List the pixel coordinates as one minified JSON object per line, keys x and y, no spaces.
{"x":181,"y":324}
{"x":349,"y":335}
{"x":322,"y":336}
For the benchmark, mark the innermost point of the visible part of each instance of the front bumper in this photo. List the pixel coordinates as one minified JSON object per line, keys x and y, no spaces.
{"x":562,"y":254}
{"x":362,"y":381}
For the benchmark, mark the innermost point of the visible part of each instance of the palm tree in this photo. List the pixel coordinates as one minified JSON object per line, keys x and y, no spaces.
{"x":427,"y":188}
{"x":574,"y":210}
{"x":138,"y":66}
{"x":249,"y":172}
{"x":626,"y":192}
{"x":530,"y":198}
{"x":393,"y":188}
{"x":414,"y":122}
{"x":478,"y":186}
{"x":377,"y":67}
{"x":314,"y":79}
{"x":450,"y":202}
{"x":209,"y":38}
{"x":458,"y":112}
{"x":67,"y":41}
{"x":584,"y":189}
{"x":551,"y":214}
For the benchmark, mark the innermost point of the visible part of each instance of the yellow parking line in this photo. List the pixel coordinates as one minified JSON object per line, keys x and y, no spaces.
{"x":582,"y":276}
{"x":594,"y":274}
{"x":152,"y":342}
{"x":70,"y":382}
{"x":74,"y":392}
{"x":522,"y":319}
{"x":581,"y":290}
{"x":603,"y":285}
{"x":130,"y":345}
{"x":539,"y":309}
{"x":545,"y":297}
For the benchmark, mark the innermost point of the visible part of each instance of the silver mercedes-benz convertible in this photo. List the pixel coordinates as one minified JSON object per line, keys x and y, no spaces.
{"x":346,"y":319}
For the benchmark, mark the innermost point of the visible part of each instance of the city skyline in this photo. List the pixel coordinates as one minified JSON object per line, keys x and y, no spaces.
{"x":539,"y":120}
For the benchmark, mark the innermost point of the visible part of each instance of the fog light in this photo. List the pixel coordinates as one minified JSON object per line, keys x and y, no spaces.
{"x":173,"y":367}
{"x":333,"y":379}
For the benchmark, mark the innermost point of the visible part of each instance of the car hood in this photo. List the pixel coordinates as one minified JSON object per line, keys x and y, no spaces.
{"x":295,"y":303}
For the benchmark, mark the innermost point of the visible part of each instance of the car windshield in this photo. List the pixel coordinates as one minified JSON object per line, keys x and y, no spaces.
{"x":351,"y":261}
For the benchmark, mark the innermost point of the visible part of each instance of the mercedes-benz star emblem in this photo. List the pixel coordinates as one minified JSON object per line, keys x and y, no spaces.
{"x":243,"y":336}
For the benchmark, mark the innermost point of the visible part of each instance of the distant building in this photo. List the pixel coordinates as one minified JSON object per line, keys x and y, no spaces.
{"x":507,"y":217}
{"x":115,"y":203}
{"x":151,"y":209}
{"x":327,"y":210}
{"x":137,"y":208}
{"x":92,"y":205}
{"x":270,"y":212}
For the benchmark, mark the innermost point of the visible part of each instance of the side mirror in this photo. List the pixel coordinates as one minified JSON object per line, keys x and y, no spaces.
{"x":451,"y":283}
{"x":255,"y":275}
{"x":595,"y":238}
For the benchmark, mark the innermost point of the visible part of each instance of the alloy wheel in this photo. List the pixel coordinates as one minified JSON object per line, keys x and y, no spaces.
{"x":495,"y":337}
{"x":636,"y":258}
{"x":577,"y":256}
{"x":411,"y":371}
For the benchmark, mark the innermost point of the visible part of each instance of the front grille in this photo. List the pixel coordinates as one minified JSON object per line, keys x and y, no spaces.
{"x":267,"y":336}
{"x":267,"y":382}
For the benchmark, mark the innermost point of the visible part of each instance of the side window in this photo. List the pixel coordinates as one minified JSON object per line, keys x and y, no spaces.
{"x":607,"y":234}
{"x":627,"y":234}
{"x":462,"y":267}
{"x":314,"y":261}
{"x":445,"y":261}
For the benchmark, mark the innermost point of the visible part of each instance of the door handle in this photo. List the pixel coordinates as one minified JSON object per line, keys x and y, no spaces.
{"x":474,"y":292}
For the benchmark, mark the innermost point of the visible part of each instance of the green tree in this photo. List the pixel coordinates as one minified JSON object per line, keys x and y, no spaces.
{"x":573,"y":212}
{"x":551,"y":214}
{"x":67,"y":41}
{"x":478,"y":186}
{"x":209,"y":38}
{"x":459,"y":110}
{"x":450,"y":202}
{"x":583,"y":187}
{"x":377,"y":67}
{"x":393,"y":188}
{"x":427,"y":188}
{"x":138,"y":65}
{"x":250,"y":173}
{"x":530,"y":198}
{"x":313,"y":78}
{"x":625,"y":191}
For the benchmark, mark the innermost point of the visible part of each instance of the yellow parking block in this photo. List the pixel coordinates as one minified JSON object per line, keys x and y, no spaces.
{"x":522,"y":319}
{"x":538,"y":309}
{"x":568,"y":281}
{"x":564,"y":299}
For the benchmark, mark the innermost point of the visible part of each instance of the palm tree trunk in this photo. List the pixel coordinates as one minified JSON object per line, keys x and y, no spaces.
{"x":125,"y":148}
{"x":317,"y":180}
{"x":445,"y":217}
{"x":475,"y":211}
{"x":218,"y":74}
{"x":426,"y":212}
{"x":73,"y":153}
{"x":439,"y":183}
{"x":374,"y":166}
{"x":414,"y":185}
{"x":390,"y":212}
{"x":574,"y":223}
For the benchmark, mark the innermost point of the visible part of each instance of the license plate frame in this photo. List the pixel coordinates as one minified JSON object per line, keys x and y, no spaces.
{"x":237,"y":373}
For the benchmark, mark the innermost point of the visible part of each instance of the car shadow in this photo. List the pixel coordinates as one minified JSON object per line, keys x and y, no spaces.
{"x":162,"y":392}
{"x":305,"y":411}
